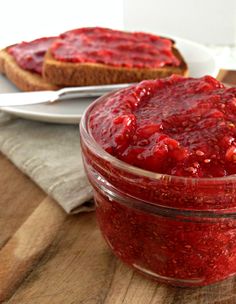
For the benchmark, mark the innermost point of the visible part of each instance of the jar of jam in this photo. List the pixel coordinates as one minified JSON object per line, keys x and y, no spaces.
{"x":177,"y":229}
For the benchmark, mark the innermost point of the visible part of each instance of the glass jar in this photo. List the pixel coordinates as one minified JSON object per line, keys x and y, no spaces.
{"x":176,"y":230}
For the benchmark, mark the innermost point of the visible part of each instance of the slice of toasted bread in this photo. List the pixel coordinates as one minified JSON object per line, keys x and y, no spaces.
{"x":83,"y":74}
{"x":22,"y":79}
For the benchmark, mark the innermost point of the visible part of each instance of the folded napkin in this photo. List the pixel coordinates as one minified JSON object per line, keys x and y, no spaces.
{"x":50,"y":155}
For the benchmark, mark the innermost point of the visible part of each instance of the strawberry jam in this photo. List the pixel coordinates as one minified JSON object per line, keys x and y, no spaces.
{"x":176,"y":126}
{"x":161,"y":159}
{"x":29,"y":55}
{"x":115,"y":48}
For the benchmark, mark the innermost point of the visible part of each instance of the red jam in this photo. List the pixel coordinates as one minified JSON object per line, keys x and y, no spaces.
{"x":29,"y":55}
{"x":177,"y":126}
{"x":179,"y":230}
{"x":115,"y":48}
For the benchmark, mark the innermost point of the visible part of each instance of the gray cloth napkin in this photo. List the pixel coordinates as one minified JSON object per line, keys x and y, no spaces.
{"x":50,"y":155}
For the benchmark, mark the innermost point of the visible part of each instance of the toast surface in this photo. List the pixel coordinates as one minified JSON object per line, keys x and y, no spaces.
{"x":83,"y":74}
{"x":22,"y":79}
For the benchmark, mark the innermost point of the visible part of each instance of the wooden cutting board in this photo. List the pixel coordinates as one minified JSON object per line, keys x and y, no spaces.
{"x":47,"y":256}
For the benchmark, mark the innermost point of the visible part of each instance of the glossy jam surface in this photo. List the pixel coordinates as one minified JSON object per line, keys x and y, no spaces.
{"x":115,"y":48}
{"x":177,"y":126}
{"x":29,"y":55}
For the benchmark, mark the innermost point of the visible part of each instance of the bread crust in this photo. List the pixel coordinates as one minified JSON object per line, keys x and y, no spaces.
{"x":22,"y":79}
{"x":83,"y":74}
{"x":2,"y":63}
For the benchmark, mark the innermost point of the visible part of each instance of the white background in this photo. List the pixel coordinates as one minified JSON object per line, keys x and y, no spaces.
{"x":212,"y":22}
{"x":29,"y":19}
{"x":205,"y":21}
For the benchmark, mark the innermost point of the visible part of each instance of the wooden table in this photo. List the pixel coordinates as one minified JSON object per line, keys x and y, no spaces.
{"x":47,"y":256}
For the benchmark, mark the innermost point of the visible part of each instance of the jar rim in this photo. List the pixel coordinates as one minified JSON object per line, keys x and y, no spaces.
{"x":99,"y":151}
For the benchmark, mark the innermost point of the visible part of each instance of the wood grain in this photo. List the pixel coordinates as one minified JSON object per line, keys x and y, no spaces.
{"x":47,"y":256}
{"x":15,"y":203}
{"x":21,"y":253}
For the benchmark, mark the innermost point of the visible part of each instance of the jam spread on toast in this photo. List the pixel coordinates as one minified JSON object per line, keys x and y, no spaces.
{"x":29,"y":55}
{"x":114,"y":48}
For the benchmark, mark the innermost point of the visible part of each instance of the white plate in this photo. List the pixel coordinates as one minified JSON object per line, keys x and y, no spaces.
{"x":199,"y":59}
